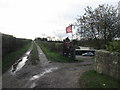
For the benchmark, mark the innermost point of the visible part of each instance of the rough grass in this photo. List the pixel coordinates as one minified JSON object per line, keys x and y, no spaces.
{"x":10,"y":59}
{"x":34,"y":55}
{"x":91,"y":79}
{"x":54,"y":56}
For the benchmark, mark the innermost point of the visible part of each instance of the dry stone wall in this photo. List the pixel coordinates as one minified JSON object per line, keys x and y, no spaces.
{"x":108,"y":63}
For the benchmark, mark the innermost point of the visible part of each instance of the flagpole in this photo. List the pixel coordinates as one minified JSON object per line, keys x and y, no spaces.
{"x":71,"y":31}
{"x":72,"y":35}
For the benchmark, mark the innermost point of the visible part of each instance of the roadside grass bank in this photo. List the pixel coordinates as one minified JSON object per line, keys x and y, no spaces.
{"x":10,"y":59}
{"x":34,"y":55}
{"x":54,"y":56}
{"x":92,"y":79}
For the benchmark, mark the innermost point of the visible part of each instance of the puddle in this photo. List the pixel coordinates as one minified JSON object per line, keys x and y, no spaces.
{"x":43,"y":73}
{"x":33,"y":85}
{"x":28,"y":53}
{"x":36,"y":77}
{"x":20,"y":63}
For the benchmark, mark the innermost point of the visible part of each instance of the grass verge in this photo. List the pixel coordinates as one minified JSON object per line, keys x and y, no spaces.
{"x":92,"y":79}
{"x":56,"y":57}
{"x":34,"y":55}
{"x":10,"y":59}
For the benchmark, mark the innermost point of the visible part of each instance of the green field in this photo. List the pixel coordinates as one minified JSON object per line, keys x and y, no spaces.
{"x":54,"y":56}
{"x":10,"y":59}
{"x":91,"y":79}
{"x":34,"y":55}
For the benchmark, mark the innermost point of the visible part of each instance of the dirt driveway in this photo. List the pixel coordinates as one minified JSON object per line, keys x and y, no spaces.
{"x":48,"y":74}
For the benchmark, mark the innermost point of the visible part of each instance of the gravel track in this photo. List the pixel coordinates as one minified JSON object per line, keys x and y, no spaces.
{"x":47,"y":74}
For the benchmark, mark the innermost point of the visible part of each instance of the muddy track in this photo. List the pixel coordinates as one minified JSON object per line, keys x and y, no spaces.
{"x":48,"y":74}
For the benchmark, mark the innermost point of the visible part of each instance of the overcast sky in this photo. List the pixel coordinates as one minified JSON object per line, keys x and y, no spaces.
{"x":34,"y":18}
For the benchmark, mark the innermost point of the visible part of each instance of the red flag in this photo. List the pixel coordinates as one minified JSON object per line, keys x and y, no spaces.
{"x":69,"y":29}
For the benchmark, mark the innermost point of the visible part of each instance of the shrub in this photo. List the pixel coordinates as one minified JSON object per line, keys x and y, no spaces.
{"x":113,"y":46}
